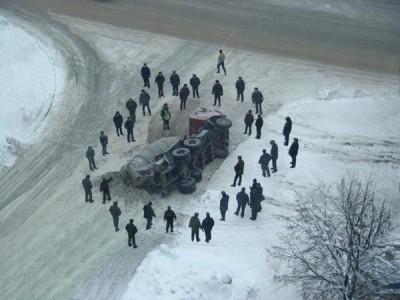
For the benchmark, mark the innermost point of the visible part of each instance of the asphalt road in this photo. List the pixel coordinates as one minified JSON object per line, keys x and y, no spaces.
{"x":371,"y":43}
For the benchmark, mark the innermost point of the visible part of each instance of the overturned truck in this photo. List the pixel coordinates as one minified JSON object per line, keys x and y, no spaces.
{"x":175,"y":162}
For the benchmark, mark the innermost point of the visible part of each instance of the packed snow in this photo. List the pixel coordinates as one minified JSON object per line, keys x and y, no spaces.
{"x":31,"y":83}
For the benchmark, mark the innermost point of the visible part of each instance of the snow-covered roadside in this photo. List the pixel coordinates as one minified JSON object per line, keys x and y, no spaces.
{"x":31,"y":83}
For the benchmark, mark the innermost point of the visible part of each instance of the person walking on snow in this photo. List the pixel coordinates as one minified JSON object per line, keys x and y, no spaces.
{"x":115,"y":213}
{"x":129,"y":130}
{"x":218,"y":92}
{"x":131,"y":229}
{"x":169,"y":217}
{"x":223,"y":205}
{"x":175,"y":81}
{"x":148,"y":214}
{"x":255,"y":201}
{"x":165,"y":116}
{"x":248,"y":122}
{"x":257,"y":98}
{"x":221,"y":62}
{"x":145,"y":72}
{"x":118,"y":121}
{"x":195,"y":82}
{"x":131,"y":106}
{"x":104,"y":142}
{"x":195,"y":225}
{"x":105,"y":189}
{"x":207,"y":225}
{"x":259,"y":125}
{"x":144,"y":101}
{"x":239,"y":169}
{"x":286,"y":130}
{"x":183,"y":95}
{"x":242,"y":200}
{"x":274,"y":156}
{"x":293,"y":150}
{"x":240,"y":86}
{"x":160,"y":84}
{"x":264,"y":162}
{"x":87,"y":187}
{"x":90,"y":157}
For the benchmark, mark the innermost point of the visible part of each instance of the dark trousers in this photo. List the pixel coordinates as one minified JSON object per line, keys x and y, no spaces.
{"x":237,"y":176}
{"x":119,"y":130}
{"x":170,"y":225}
{"x":286,"y":139}
{"x":116,"y":221}
{"x":240,"y":95}
{"x":242,"y":208}
{"x":195,"y":233}
{"x":258,"y":108}
{"x":208,"y":234}
{"x":160,"y":91}
{"x":258,"y":135}
{"x":175,"y":90}
{"x":217,"y":98}
{"x":146,"y":82}
{"x":248,"y":126}
{"x":183,"y":104}
{"x":92,"y":164}
{"x":104,"y":149}
{"x":106,"y":194}
{"x":149,"y":223}
{"x":195,"y":92}
{"x":223,"y":213}
{"x":253,"y":214}
{"x":148,"y":109}
{"x":130,"y":136}
{"x":132,"y":114}
{"x":274,"y":168}
{"x":166,"y":124}
{"x":88,"y":196}
{"x":222,"y":65}
{"x":131,"y":240}
{"x":265,"y":170}
{"x":293,"y":162}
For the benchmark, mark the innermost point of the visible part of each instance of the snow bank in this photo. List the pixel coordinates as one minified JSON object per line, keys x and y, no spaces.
{"x":31,"y":82}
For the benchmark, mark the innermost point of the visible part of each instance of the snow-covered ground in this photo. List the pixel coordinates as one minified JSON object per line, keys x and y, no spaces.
{"x":31,"y":84}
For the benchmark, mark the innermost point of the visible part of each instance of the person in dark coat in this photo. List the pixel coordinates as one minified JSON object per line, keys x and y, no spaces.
{"x":223,"y":205}
{"x":293,"y":150}
{"x":257,"y":98}
{"x":175,"y":81}
{"x":129,"y":130}
{"x":131,"y":229}
{"x":169,"y":217}
{"x":160,"y":79}
{"x":87,"y":187}
{"x":148,"y":214}
{"x":165,"y":116}
{"x":255,"y":203}
{"x":90,"y":157}
{"x":239,"y":169}
{"x":105,"y":189}
{"x":195,"y":83}
{"x":104,"y":142}
{"x":221,"y":61}
{"x":207,"y":225}
{"x":242,"y":200}
{"x":115,"y":213}
{"x":264,"y":162}
{"x":195,"y":225}
{"x":145,"y":72}
{"x":217,"y":91}
{"x":183,"y":95}
{"x":248,"y":122}
{"x":131,"y":106}
{"x":118,"y":121}
{"x":286,"y":130}
{"x":144,"y":101}
{"x":274,"y":155}
{"x":240,"y":86}
{"x":259,"y":125}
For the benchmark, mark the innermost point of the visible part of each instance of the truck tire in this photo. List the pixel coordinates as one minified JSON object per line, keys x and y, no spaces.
{"x":197,"y":174}
{"x":186,"y":185}
{"x":221,"y":153}
{"x":193,"y":143}
{"x":223,"y":123}
{"x":181,"y":154}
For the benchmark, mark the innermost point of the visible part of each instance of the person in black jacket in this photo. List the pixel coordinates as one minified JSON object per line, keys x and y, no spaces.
{"x":248,"y":122}
{"x":90,"y":157}
{"x":144,"y":101}
{"x":131,"y":229}
{"x":118,"y":121}
{"x":274,"y":155}
{"x":240,"y":86}
{"x":129,"y":130}
{"x":105,"y":188}
{"x":239,"y":169}
{"x":145,"y":72}
{"x":242,"y":200}
{"x":115,"y":213}
{"x":217,"y":91}
{"x":207,"y":225}
{"x":87,"y":186}
{"x":131,"y":105}
{"x":169,"y":217}
{"x":104,"y":142}
{"x":160,"y":83}
{"x":223,"y":205}
{"x":183,"y":95}
{"x":257,"y":98}
{"x":293,"y":150}
{"x":195,"y":82}
{"x":175,"y":81}
{"x":255,"y":202}
{"x":259,"y":125}
{"x":148,"y":214}
{"x":286,"y":130}
{"x":264,"y":162}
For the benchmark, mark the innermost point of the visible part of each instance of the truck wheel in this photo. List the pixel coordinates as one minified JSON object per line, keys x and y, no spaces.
{"x":221,"y":153}
{"x":193,"y":143}
{"x":197,"y":174}
{"x":186,"y":185}
{"x":223,"y":123}
{"x":181,"y":154}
